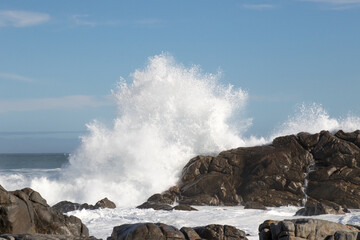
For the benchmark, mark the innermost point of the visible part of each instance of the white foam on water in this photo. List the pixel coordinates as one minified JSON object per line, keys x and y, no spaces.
{"x":101,"y":222}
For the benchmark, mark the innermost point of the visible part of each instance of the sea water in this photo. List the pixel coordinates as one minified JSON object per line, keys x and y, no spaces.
{"x":167,"y":114}
{"x":101,"y":222}
{"x":18,"y":170}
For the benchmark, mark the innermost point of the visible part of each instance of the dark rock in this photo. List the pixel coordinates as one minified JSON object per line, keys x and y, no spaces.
{"x":105,"y":203}
{"x":318,"y":208}
{"x":155,"y":206}
{"x":184,"y":207}
{"x":218,"y":189}
{"x":270,"y":175}
{"x":139,"y":231}
{"x":336,"y":176}
{"x":254,"y":205}
{"x":160,"y":231}
{"x":219,"y":232}
{"x":26,"y":212}
{"x":67,"y":206}
{"x":161,"y":201}
{"x":308,"y":140}
{"x":189,"y":233}
{"x":300,"y":229}
{"x":274,"y":175}
{"x":353,"y":137}
{"x":159,"y":198}
{"x":170,"y":232}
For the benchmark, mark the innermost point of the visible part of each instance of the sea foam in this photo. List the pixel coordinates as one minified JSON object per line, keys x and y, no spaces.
{"x":167,"y":114}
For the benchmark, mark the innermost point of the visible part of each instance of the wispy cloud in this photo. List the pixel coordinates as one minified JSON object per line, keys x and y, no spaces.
{"x":82,"y":20}
{"x":338,"y":4}
{"x":15,"y":77}
{"x":67,"y":102}
{"x":86,"y":20}
{"x":31,"y":133}
{"x":148,"y":21}
{"x":336,"y":1}
{"x":11,"y":18}
{"x":258,"y":6}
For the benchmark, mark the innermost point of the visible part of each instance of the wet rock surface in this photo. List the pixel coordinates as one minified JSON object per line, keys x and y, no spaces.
{"x":184,"y":207}
{"x":67,"y":206}
{"x":274,"y":174}
{"x":301,"y":229}
{"x":318,"y":208}
{"x":155,"y":206}
{"x":25,"y":211}
{"x":165,"y":207}
{"x":160,"y":231}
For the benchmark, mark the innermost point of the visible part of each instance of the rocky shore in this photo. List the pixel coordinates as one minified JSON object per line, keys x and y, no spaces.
{"x":320,"y":171}
{"x":315,"y":168}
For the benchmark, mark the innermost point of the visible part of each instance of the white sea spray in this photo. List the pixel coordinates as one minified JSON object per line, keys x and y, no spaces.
{"x":167,"y":114}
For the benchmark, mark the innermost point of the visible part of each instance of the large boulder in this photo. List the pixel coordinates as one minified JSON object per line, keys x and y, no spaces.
{"x":301,"y":229}
{"x":160,"y":231}
{"x":25,"y":211}
{"x":275,"y":174}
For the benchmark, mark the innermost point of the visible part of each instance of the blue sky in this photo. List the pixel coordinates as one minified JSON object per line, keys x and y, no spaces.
{"x":59,"y":60}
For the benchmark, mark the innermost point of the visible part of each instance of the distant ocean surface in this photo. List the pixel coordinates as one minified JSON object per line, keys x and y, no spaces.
{"x":18,"y":170}
{"x":16,"y":161}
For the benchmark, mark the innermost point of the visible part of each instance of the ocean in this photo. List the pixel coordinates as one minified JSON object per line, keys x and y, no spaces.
{"x":17,"y":161}
{"x":167,"y":114}
{"x":18,"y":170}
